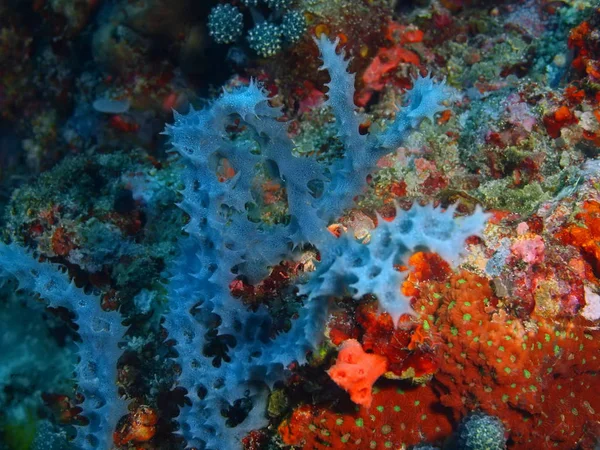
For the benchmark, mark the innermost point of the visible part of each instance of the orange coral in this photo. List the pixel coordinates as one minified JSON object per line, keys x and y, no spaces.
{"x":583,"y":41}
{"x":407,"y":348}
{"x":400,"y":417}
{"x":379,"y":334}
{"x":499,"y":363}
{"x":554,"y":122}
{"x":341,"y":326}
{"x":140,"y":427}
{"x":574,"y":96}
{"x":586,"y":235}
{"x":570,"y":417}
{"x":356,"y":371}
{"x":62,"y":241}
{"x":425,"y":267}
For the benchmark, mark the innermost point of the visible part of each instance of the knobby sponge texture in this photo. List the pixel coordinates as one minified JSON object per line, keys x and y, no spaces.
{"x":100,"y":333}
{"x":222,"y":246}
{"x":256,"y":360}
{"x":201,"y":137}
{"x":356,"y":268}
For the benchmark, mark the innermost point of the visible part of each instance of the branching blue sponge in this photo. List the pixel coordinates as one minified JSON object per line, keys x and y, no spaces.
{"x":349,"y":174}
{"x":201,"y":137}
{"x":256,"y":361}
{"x":355,"y":268}
{"x":100,"y":332}
{"x":222,"y":243}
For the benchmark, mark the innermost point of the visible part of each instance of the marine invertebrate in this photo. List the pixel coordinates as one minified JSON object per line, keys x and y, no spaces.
{"x":99,"y":351}
{"x":293,"y":26}
{"x":409,"y":348}
{"x":585,"y":236}
{"x":369,"y":268}
{"x":265,"y":39}
{"x":399,"y":416}
{"x":583,"y":39}
{"x":277,"y":4}
{"x":505,"y":366}
{"x":240,"y":361}
{"x":356,"y":371}
{"x":232,"y":332}
{"x":481,"y":432}
{"x":225,"y":23}
{"x":386,"y":67}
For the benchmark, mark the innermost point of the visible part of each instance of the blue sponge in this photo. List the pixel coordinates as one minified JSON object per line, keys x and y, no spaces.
{"x":354,"y":268}
{"x":100,"y":333}
{"x":219,"y":247}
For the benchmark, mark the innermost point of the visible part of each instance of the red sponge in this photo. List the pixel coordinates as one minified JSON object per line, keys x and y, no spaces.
{"x":355,"y":371}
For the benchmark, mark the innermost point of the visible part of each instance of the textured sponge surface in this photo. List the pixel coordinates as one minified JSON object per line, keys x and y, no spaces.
{"x":100,"y":333}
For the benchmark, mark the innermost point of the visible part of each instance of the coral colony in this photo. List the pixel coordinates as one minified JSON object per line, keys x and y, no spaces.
{"x":300,"y":224}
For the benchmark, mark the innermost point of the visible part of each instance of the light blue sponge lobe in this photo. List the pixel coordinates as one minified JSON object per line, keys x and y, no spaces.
{"x":350,"y":267}
{"x":100,"y":333}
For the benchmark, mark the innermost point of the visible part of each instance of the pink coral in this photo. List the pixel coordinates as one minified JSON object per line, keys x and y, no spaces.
{"x":355,"y":371}
{"x":530,"y":250}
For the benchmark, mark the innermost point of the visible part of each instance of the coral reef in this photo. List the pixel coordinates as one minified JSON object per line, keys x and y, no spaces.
{"x":397,"y":416}
{"x":365,"y":224}
{"x":98,"y":351}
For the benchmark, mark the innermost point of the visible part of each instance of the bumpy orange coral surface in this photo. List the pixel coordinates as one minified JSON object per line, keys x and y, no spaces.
{"x":399,"y":417}
{"x":533,"y":371}
{"x":355,"y":371}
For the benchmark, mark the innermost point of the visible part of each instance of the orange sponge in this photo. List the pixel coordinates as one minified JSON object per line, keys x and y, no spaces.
{"x":355,"y":371}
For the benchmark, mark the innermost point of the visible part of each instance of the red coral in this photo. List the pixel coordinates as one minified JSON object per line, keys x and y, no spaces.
{"x":584,"y":40}
{"x":505,"y":366}
{"x":384,"y":67}
{"x":281,"y":275}
{"x":424,"y":267}
{"x":294,"y":430}
{"x":62,"y":242}
{"x":406,"y":348}
{"x":586,"y":235}
{"x":342,"y":326}
{"x":574,"y":96}
{"x":387,"y":60}
{"x":431,"y":179}
{"x":255,"y":440}
{"x":381,"y":337}
{"x":398,"y":418}
{"x":570,"y":419}
{"x":559,"y":119}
